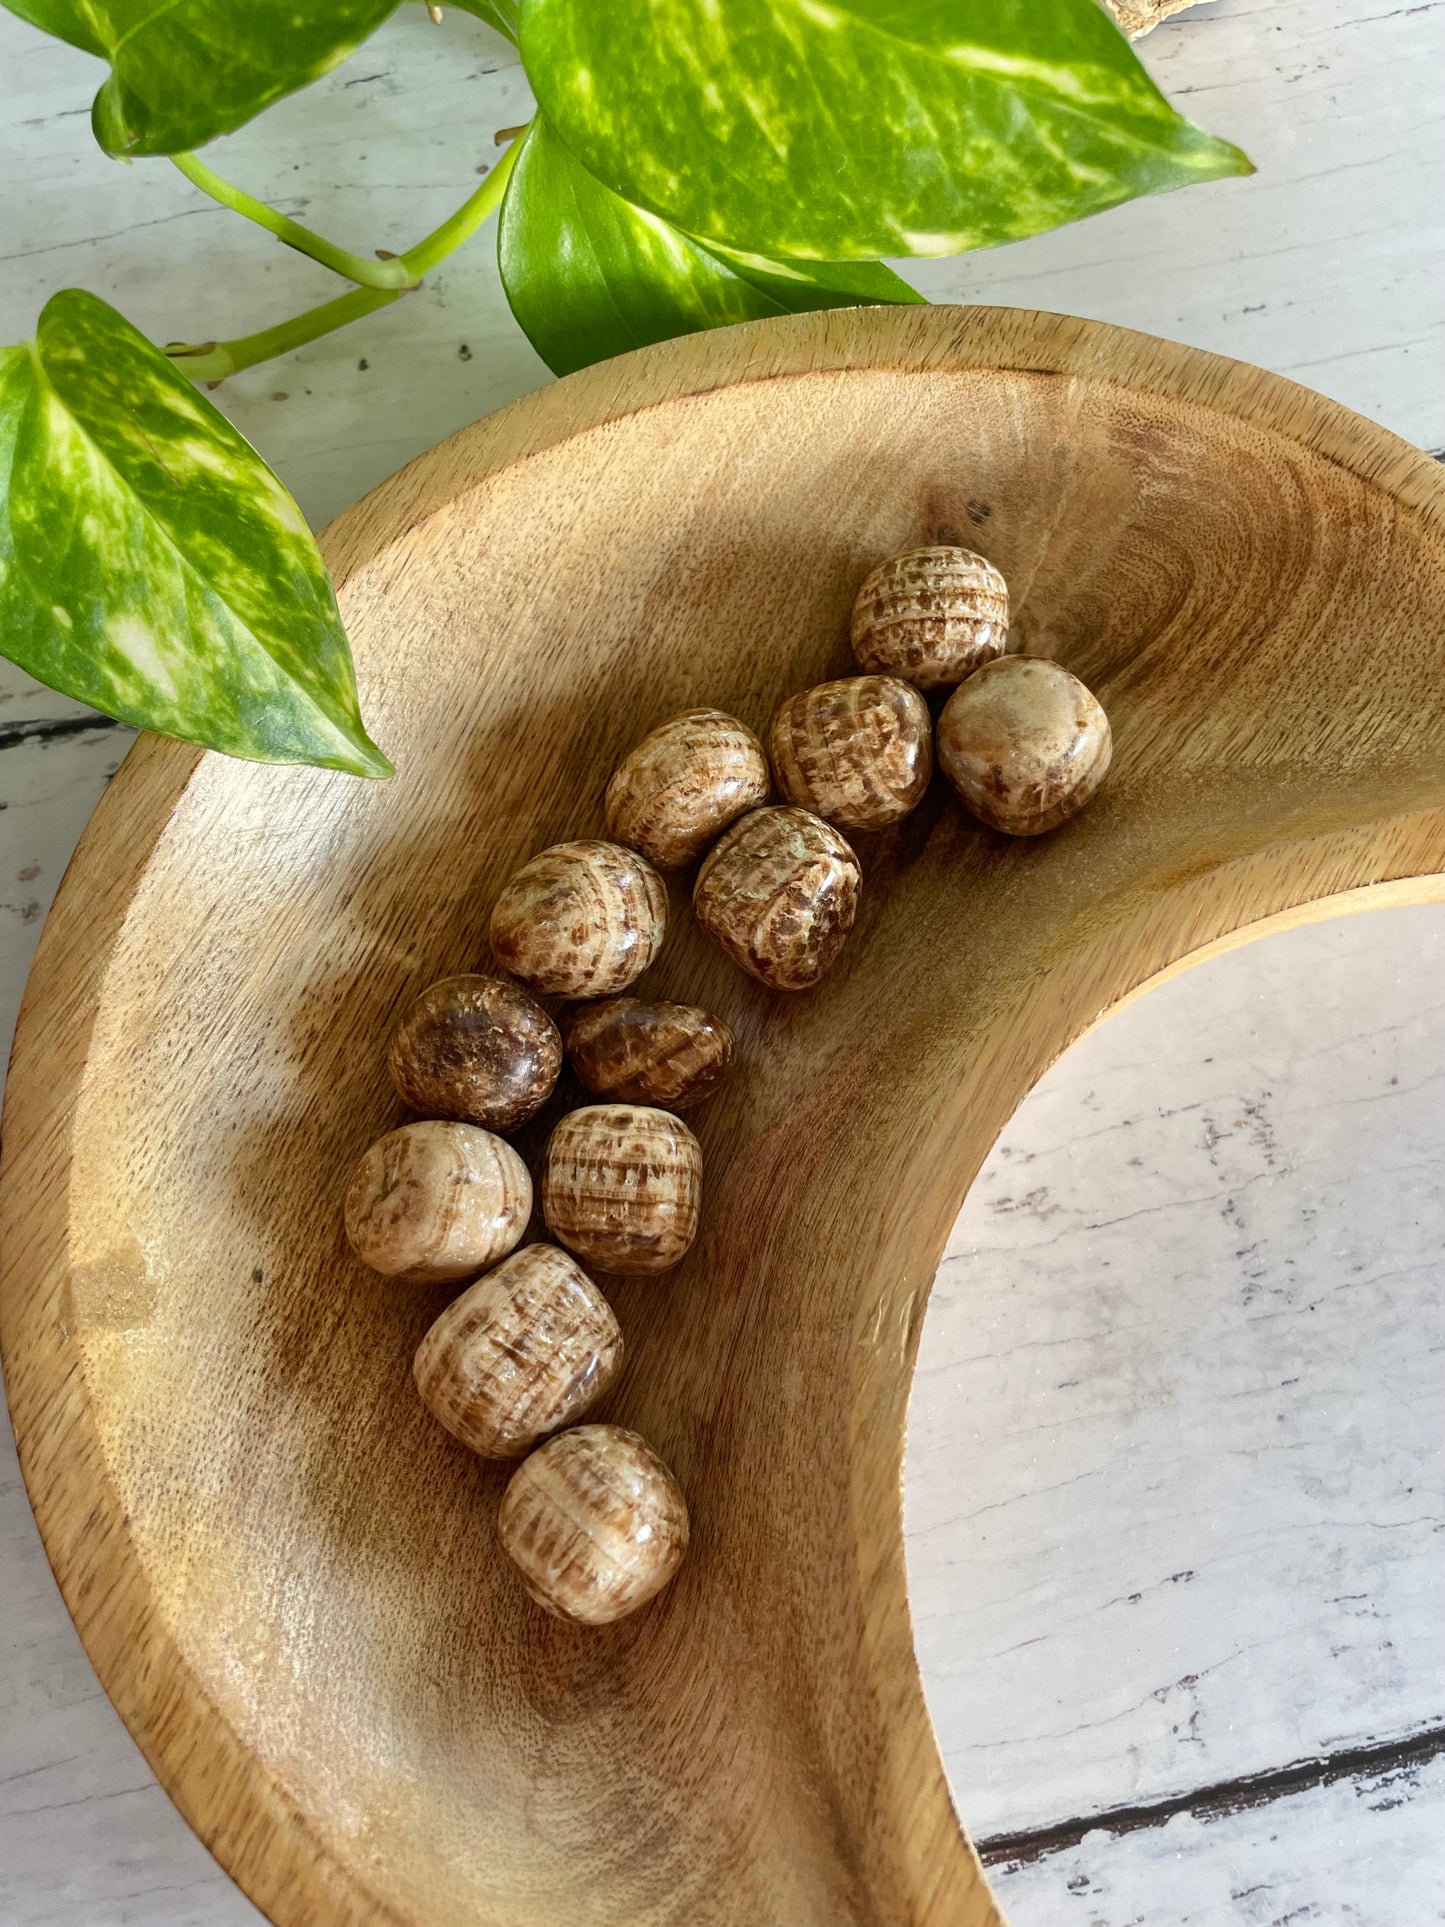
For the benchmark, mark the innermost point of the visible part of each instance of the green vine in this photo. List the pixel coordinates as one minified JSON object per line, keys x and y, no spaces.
{"x":354,"y":267}
{"x":690,"y":165}
{"x":381,"y":282}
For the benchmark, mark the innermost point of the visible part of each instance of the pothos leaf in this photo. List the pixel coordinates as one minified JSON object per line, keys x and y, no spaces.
{"x":152,"y":565}
{"x":839,"y":129}
{"x":183,"y":72}
{"x":589,"y":276}
{"x":70,"y":20}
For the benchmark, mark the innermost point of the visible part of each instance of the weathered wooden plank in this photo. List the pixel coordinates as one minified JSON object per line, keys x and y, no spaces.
{"x":86,"y":1835}
{"x":1322,"y":265}
{"x":1364,"y":1850}
{"x":51,"y":778}
{"x":26,"y":705}
{"x":1174,"y":1492}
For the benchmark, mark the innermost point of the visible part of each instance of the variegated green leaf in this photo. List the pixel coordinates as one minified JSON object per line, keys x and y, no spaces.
{"x":589,"y":275}
{"x":840,"y":129}
{"x":152,"y":565}
{"x":183,"y":71}
{"x":71,"y":20}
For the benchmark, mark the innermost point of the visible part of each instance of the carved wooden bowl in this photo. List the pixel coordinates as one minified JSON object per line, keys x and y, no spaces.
{"x":286,"y":1573}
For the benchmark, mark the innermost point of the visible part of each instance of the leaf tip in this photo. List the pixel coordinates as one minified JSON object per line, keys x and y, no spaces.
{"x":368,"y":760}
{"x":1232,"y":160}
{"x":1217,"y":159}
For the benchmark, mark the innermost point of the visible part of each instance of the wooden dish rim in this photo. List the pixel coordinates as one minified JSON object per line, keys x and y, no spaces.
{"x":231,"y":1802}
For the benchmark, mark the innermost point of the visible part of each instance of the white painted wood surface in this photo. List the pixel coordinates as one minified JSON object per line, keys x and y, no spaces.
{"x":1284,"y":1219}
{"x":1361,"y":1853}
{"x":1187,"y":1359}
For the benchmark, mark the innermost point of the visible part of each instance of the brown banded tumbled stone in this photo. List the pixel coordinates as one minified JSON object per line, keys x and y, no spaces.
{"x":857,"y":752}
{"x":683,"y":784}
{"x":524,"y":1351}
{"x":931,"y":616}
{"x":437,"y":1200}
{"x":779,"y":893}
{"x":622,"y":1187}
{"x":634,"y":1052}
{"x":581,"y":919}
{"x":595,"y":1523}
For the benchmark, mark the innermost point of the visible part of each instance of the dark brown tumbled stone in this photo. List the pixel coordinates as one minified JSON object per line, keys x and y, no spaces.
{"x":674,"y":1055}
{"x":476,"y":1048}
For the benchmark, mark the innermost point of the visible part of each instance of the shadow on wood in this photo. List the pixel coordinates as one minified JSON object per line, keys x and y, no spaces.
{"x":285,"y":1573}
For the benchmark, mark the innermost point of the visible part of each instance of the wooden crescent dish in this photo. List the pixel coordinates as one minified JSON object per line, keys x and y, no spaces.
{"x":286,"y":1573}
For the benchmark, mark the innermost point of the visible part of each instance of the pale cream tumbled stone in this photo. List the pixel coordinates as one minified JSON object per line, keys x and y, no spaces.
{"x":1024,"y":744}
{"x":437,"y":1200}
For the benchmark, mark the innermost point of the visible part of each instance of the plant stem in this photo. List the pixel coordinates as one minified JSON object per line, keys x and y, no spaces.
{"x":212,"y":361}
{"x":354,"y":267}
{"x":462,"y":225}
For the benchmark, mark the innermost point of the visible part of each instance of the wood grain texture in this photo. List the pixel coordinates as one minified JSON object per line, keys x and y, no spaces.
{"x":294,"y":1594}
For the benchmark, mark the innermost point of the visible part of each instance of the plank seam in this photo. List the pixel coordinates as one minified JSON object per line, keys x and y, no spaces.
{"x":56,"y":729}
{"x":1218,"y":1801}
